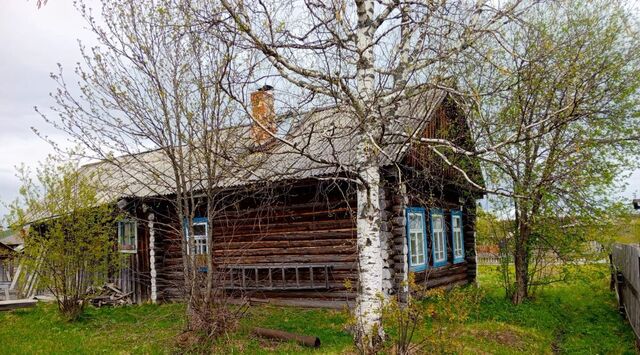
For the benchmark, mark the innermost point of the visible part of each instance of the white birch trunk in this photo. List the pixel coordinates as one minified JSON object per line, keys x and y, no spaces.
{"x":369,"y":254}
{"x":368,"y":214}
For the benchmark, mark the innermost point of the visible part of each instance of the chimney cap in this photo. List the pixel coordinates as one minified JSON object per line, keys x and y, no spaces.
{"x":266,"y":87}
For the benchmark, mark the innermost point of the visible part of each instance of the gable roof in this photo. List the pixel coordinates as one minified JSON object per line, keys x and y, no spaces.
{"x":320,"y":143}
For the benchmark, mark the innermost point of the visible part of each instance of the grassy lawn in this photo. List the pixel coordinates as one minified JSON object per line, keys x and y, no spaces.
{"x":577,"y":317}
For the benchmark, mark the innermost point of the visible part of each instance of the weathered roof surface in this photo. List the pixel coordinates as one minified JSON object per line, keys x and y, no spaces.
{"x":12,"y":240}
{"x":320,"y":143}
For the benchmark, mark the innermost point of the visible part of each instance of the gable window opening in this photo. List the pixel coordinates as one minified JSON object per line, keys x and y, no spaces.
{"x":456,"y":233}
{"x":416,"y":233}
{"x":127,"y":236}
{"x":438,"y":238}
{"x":200,"y":243}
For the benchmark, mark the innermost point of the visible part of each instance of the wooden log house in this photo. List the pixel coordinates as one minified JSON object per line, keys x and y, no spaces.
{"x":288,"y":233}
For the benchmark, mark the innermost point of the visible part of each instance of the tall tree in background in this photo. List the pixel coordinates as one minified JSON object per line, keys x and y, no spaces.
{"x":571,"y":113}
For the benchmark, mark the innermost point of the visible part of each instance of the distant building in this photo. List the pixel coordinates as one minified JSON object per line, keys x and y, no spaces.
{"x":12,"y":241}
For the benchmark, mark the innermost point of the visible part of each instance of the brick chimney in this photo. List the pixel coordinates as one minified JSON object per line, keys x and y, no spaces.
{"x":264,"y":113}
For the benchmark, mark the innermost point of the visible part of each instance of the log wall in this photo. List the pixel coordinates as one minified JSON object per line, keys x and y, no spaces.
{"x":303,"y":225}
{"x":314,"y":224}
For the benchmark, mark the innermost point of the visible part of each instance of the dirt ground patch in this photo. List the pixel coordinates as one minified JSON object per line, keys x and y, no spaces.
{"x":508,"y":337}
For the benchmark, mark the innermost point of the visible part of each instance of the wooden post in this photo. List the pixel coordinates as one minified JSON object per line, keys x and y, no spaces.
{"x":152,"y":258}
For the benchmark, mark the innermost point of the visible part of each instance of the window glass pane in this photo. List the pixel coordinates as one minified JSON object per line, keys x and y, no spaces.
{"x":415,"y":221}
{"x":420,"y":248}
{"x":416,"y":238}
{"x":200,"y":229}
{"x":413,"y":246}
{"x":458,"y":249}
{"x":438,"y":238}
{"x":127,"y":235}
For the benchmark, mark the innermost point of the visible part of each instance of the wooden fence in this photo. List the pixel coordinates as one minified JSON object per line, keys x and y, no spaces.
{"x":625,"y":280}
{"x":488,"y":259}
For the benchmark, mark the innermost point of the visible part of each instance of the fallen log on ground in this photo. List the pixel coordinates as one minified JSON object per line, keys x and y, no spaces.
{"x":310,"y":341}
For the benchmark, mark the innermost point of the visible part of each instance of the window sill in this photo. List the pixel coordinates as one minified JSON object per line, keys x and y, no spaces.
{"x":128,"y":251}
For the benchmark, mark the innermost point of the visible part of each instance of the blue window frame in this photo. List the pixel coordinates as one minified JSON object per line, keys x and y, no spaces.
{"x":417,"y":238}
{"x":200,"y":227}
{"x":457,"y":236}
{"x":438,"y":237}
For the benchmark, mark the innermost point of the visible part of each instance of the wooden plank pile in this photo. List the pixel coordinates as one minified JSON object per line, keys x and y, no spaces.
{"x":110,"y":295}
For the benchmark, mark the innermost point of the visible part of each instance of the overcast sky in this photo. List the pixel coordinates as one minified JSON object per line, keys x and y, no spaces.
{"x":32,"y":41}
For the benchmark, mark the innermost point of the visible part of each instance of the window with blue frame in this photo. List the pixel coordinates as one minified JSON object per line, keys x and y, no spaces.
{"x":457,"y":236}
{"x":127,"y":236}
{"x":417,"y":238}
{"x":438,"y":238}
{"x":201,"y":246}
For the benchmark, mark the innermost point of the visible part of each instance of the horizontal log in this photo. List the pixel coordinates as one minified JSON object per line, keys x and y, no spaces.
{"x":222,"y":219}
{"x":332,"y":233}
{"x":288,"y":259}
{"x":285,"y":252}
{"x":345,"y":233}
{"x":310,"y":341}
{"x":288,"y":243}
{"x":273,"y":228}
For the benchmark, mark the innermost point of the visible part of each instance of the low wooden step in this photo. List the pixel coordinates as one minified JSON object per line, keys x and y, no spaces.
{"x":15,"y":304}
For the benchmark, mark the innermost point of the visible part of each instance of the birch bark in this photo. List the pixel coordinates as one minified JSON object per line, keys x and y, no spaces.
{"x":368,"y":215}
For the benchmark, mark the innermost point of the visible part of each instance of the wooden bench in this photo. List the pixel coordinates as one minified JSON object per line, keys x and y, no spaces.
{"x":4,"y":285}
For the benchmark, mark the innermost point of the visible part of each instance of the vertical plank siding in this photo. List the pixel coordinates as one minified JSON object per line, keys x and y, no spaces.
{"x":625,"y":279}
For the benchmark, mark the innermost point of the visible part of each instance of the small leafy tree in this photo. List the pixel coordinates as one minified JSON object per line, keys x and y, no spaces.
{"x":68,"y":233}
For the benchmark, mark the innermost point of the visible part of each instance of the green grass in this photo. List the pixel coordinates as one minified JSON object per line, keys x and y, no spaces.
{"x":578,"y":317}
{"x":328,"y":325}
{"x":134,"y":329}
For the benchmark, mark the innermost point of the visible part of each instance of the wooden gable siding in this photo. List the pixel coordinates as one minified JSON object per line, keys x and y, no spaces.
{"x":307,"y":224}
{"x":450,"y":124}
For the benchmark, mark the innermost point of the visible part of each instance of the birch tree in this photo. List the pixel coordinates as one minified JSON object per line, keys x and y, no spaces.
{"x":366,"y":57}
